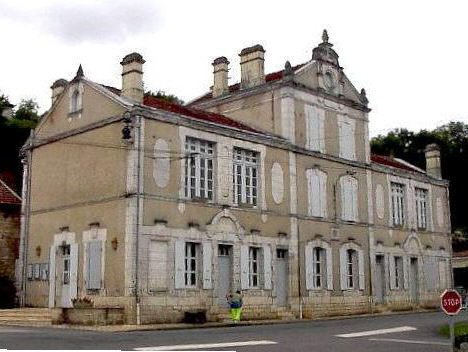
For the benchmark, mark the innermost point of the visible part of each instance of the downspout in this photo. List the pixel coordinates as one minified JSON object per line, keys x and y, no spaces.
{"x":449,"y":233}
{"x":25,"y":214}
{"x":137,"y":225}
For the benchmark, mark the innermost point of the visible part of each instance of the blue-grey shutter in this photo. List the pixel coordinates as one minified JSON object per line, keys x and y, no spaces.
{"x":94,"y":280}
{"x":244,"y":257}
{"x":179,"y":258}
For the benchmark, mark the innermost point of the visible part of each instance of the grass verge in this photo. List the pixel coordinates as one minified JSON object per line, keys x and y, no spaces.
{"x":461,"y":328}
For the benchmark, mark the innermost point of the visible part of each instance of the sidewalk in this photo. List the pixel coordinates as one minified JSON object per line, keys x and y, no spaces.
{"x":181,"y":326}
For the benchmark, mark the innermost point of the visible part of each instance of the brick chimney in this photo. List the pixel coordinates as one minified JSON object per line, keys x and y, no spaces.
{"x":220,"y":76}
{"x":433,"y":168}
{"x":252,"y":68}
{"x":132,"y":77}
{"x":57,"y":88}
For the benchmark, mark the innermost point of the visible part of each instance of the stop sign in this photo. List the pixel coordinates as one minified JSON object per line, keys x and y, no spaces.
{"x":451,"y":302}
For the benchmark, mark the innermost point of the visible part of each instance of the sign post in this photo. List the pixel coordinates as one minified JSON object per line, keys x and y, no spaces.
{"x":451,"y":304}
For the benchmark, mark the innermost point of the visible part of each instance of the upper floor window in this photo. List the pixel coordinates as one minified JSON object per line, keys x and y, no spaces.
{"x":317,"y":184}
{"x":315,"y":128}
{"x":421,"y":207}
{"x":398,"y":198}
{"x":245,"y":176}
{"x":199,"y":169}
{"x":349,"y":198}
{"x":347,"y":138}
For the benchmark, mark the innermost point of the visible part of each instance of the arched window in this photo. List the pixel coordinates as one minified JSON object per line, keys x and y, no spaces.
{"x":75,"y":100}
{"x":351,"y":267}
{"x":319,"y":266}
{"x":349,"y":198}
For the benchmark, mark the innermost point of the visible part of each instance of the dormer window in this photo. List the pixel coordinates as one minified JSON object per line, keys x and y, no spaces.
{"x":76,"y":99}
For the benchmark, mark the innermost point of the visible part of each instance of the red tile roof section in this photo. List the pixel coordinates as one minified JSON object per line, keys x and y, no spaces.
{"x":196,"y":114}
{"x":270,"y":77}
{"x":460,"y":254}
{"x":388,"y":161}
{"x":7,"y":196}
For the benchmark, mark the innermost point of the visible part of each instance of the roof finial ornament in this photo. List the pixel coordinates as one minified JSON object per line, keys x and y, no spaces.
{"x":325,"y":36}
{"x":79,"y":73}
{"x":363,"y":97}
{"x":288,"y":68}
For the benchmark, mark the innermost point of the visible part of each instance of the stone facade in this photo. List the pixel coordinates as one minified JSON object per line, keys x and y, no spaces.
{"x":268,"y":187}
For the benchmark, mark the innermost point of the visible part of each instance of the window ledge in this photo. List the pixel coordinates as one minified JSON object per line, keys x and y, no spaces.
{"x":75,"y":113}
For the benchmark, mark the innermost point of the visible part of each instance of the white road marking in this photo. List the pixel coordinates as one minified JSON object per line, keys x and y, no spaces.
{"x":412,"y":341}
{"x":206,"y":345}
{"x":378,"y":332}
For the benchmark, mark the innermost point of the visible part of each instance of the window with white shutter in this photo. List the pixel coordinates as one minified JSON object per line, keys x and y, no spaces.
{"x":315,"y":128}
{"x":191,"y":274}
{"x":199,"y":166}
{"x":319,"y":265}
{"x":317,"y":192}
{"x":254,"y":267}
{"x":349,"y":198}
{"x":398,"y":273}
{"x":352,"y":267}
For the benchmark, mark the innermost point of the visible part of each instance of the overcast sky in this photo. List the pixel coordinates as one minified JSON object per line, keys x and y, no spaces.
{"x":410,"y":56}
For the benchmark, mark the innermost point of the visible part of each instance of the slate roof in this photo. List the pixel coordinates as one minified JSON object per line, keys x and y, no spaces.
{"x":7,"y":195}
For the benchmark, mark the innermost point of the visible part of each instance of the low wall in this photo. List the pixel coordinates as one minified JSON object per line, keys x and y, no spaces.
{"x":88,"y":316}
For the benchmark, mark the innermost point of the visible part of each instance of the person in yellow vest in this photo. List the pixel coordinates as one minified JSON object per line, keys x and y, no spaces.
{"x":235,"y":303}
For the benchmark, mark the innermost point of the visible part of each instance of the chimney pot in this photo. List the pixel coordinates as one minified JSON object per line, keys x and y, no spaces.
{"x":132,"y":77}
{"x":220,"y":76}
{"x":57,"y":88}
{"x":252,"y":66}
{"x":433,"y":167}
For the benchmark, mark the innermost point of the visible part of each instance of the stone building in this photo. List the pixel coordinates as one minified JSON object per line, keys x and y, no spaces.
{"x":267,"y":185}
{"x":10,"y":204}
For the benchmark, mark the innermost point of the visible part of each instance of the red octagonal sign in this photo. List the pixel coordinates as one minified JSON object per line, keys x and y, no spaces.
{"x":451,"y":302}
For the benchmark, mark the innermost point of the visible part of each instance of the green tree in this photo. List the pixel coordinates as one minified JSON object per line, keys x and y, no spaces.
{"x":160,"y":94}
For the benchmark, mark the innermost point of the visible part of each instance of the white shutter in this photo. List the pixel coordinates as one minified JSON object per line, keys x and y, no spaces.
{"x":73,"y":271}
{"x":94,"y":279}
{"x":157,"y":265}
{"x":323,"y":194}
{"x":315,"y":193}
{"x":405,"y":272}
{"x":343,"y":281}
{"x":310,"y":191}
{"x":321,"y":117}
{"x":329,"y":262}
{"x":207,"y":254}
{"x":52,"y":255}
{"x":362,"y":277}
{"x":343,"y":185}
{"x":428,"y":273}
{"x":355,"y":198}
{"x":244,"y":256}
{"x":309,"y":272}
{"x":266,"y":267}
{"x":179,"y":257}
{"x":352,"y":140}
{"x":391,"y":269}
{"x":348,"y":199}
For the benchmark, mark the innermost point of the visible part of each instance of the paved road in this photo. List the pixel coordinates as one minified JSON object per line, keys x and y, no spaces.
{"x":406,"y":332}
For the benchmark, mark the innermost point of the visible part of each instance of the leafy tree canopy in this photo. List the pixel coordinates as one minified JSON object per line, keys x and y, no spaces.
{"x":452,"y":139}
{"x":160,"y":94}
